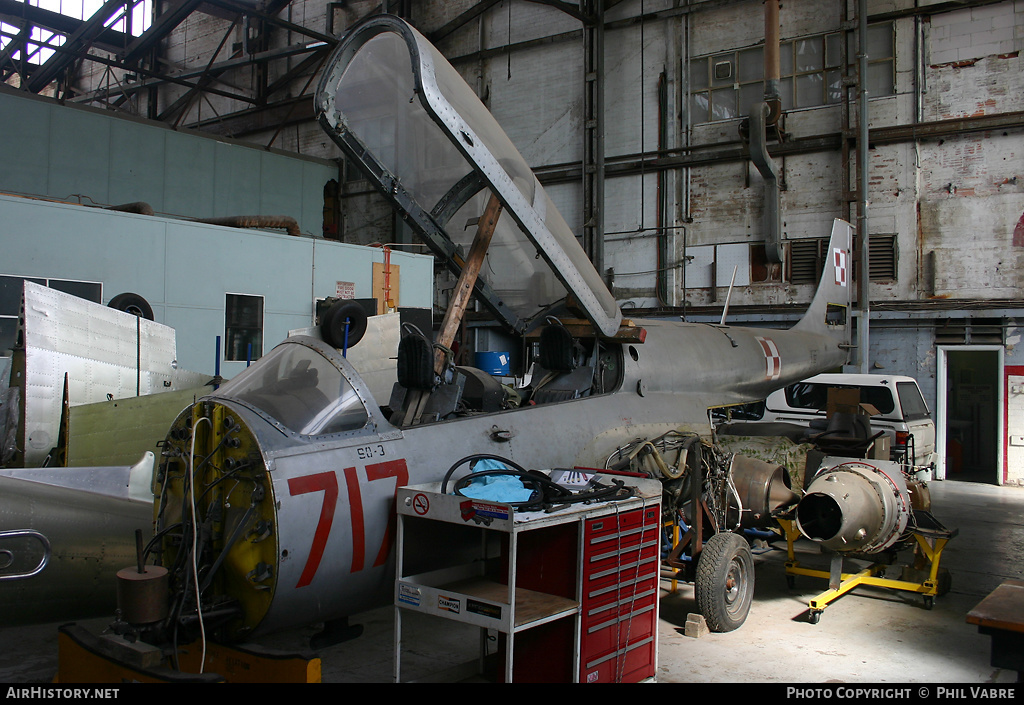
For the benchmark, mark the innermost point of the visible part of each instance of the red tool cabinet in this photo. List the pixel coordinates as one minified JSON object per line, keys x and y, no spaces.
{"x":619,"y":596}
{"x":569,"y":596}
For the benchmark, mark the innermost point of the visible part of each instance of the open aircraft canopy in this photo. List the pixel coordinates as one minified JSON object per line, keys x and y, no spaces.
{"x":398,"y":109}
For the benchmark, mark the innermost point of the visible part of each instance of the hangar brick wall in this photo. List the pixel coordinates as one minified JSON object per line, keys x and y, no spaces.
{"x":927,"y":194}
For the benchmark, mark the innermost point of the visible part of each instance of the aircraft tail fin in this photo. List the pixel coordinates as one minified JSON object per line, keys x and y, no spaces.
{"x":830,"y":310}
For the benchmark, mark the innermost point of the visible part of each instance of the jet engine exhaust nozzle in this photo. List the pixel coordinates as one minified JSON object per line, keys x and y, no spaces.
{"x":856,"y":506}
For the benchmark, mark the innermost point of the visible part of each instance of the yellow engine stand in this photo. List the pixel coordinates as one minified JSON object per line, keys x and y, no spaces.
{"x":931,"y":538}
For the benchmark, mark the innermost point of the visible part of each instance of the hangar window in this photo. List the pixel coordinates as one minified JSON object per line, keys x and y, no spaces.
{"x":243,"y":327}
{"x":37,"y":44}
{"x":725,"y":86}
{"x":10,"y":301}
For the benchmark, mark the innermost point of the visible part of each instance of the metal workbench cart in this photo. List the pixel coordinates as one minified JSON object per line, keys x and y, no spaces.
{"x":566,"y":596}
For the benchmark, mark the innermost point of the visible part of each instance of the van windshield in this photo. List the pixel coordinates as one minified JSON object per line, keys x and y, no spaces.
{"x":814,"y":395}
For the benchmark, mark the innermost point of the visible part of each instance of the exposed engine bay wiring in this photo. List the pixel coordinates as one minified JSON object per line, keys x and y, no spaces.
{"x":193,"y":536}
{"x":677,"y":459}
{"x":195,"y":559}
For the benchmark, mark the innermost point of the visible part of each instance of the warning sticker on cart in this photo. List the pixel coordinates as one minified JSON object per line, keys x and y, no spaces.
{"x":474,"y":508}
{"x":409,"y":595}
{"x":449,"y":604}
{"x":483,"y":609}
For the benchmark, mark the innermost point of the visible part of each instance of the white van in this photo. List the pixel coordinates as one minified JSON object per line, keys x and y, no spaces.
{"x":902,"y":411}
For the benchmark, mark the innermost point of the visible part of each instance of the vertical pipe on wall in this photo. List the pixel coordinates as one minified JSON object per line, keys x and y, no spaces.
{"x":593,"y":131}
{"x":759,"y":116}
{"x":762,"y":116}
{"x":684,"y":105}
{"x":772,"y":72}
{"x":661,"y":290}
{"x":862,"y":188}
{"x":599,"y":137}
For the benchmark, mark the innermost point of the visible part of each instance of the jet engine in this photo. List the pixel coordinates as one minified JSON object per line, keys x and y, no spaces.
{"x":862,"y":506}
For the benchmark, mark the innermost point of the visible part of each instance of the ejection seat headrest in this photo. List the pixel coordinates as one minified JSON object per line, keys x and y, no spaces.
{"x":557,"y":349}
{"x":416,"y":362}
{"x":847,"y":425}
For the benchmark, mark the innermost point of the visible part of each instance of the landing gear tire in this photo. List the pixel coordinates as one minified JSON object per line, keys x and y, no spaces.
{"x":724,"y":585}
{"x":332,"y":327}
{"x":133,"y":304}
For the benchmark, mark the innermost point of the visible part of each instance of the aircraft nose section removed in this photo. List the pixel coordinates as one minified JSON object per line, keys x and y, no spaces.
{"x":418,"y":132}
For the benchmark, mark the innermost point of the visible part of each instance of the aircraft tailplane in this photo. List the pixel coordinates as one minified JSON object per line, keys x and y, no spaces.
{"x":830,"y":310}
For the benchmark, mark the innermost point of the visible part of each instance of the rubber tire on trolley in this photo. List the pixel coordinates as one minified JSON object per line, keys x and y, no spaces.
{"x":332,"y":327}
{"x":132,"y":303}
{"x":724,"y":584}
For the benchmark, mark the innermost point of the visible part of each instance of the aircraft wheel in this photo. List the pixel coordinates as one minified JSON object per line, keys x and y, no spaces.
{"x":724,"y":585}
{"x":332,"y":327}
{"x":132,"y":303}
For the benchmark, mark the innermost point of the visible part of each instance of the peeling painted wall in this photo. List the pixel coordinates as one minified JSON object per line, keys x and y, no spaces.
{"x":952,"y":64}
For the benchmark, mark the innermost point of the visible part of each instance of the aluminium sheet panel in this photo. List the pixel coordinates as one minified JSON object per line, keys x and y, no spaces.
{"x":105,"y":353}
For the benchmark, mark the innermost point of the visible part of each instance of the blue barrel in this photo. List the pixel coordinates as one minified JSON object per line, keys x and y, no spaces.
{"x":493,"y":363}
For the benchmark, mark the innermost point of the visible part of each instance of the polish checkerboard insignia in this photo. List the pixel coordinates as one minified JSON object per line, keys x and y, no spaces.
{"x":772,"y":358}
{"x":839,"y":260}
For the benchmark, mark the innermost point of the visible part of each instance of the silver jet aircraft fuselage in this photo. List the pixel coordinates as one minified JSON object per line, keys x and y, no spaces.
{"x":296,"y":466}
{"x":314,"y":515}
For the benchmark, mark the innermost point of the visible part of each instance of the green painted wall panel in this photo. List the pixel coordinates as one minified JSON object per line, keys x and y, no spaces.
{"x":188,"y":176}
{"x":282,"y":192}
{"x":75,"y":242}
{"x":237,"y":179}
{"x":137,"y":154}
{"x":58,"y":151}
{"x":184,"y":269}
{"x":79,"y":157}
{"x":25,"y":130}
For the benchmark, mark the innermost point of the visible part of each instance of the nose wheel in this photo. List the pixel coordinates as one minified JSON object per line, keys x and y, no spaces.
{"x":724,"y":585}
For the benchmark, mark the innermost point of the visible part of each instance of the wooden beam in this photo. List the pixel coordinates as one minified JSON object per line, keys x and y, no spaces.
{"x":628,"y":332}
{"x":467,"y":279}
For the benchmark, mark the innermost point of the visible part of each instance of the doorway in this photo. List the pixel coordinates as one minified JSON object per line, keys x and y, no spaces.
{"x":970,"y":413}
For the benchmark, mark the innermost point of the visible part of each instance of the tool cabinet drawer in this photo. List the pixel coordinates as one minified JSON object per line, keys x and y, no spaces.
{"x":615,"y":523}
{"x":607,"y":627}
{"x":621,"y":564}
{"x":629,"y":665}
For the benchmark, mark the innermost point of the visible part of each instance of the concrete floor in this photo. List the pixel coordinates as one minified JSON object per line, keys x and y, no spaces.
{"x":872,"y":635}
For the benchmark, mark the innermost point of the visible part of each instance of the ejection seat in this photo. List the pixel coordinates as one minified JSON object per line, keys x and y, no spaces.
{"x":558,"y":374}
{"x":416,"y":378}
{"x":421,"y":395}
{"x":844,"y":433}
